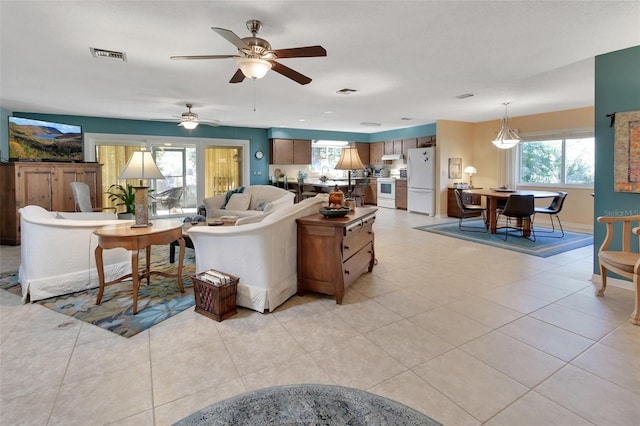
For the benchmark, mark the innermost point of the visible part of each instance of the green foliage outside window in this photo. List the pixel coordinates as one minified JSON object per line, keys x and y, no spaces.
{"x":559,"y":162}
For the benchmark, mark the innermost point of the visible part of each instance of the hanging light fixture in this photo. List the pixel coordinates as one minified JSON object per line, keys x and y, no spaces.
{"x":254,"y":67}
{"x":507,"y":138}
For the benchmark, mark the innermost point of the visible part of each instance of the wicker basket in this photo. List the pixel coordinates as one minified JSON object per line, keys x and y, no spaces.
{"x":218,"y":303}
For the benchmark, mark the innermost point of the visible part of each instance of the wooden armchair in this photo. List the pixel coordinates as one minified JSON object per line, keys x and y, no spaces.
{"x":625,"y":262}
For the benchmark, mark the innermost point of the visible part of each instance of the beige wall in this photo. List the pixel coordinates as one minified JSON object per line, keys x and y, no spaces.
{"x":472,"y":142}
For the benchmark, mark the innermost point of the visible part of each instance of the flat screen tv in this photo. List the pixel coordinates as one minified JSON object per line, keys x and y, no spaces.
{"x":44,"y":140}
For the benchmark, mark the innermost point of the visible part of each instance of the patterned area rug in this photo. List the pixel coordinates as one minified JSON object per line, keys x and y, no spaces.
{"x":544,"y":246}
{"x":308,"y":405}
{"x":156,"y":302}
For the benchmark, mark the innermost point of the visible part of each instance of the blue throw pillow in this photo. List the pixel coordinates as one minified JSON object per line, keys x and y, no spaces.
{"x":239,"y":190}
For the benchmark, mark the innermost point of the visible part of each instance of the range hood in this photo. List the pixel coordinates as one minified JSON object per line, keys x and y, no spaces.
{"x":392,"y":157}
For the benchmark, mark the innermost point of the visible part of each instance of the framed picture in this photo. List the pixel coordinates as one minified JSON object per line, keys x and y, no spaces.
{"x":455,"y":168}
{"x":627,"y":152}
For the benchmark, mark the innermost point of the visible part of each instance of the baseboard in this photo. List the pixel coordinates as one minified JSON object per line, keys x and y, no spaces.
{"x":612,"y":282}
{"x":543,"y":220}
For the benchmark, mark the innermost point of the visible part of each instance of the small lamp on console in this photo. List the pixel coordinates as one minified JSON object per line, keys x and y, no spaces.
{"x":470,"y":170}
{"x":349,"y":160}
{"x":141,"y":166}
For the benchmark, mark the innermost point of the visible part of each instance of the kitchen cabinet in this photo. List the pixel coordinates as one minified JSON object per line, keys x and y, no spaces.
{"x":363,"y":152}
{"x":452,"y":205}
{"x":401,"y":194}
{"x":393,"y":147}
{"x":45,"y":185}
{"x":426,"y":141}
{"x":376,"y":151}
{"x":372,"y":193}
{"x":290,"y":151}
{"x":408,"y":144}
{"x":332,"y":254}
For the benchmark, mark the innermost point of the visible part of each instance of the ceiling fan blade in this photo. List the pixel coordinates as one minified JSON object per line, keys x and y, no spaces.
{"x":301,"y":52}
{"x":288,"y":72}
{"x":232,"y":38}
{"x":203,"y":57}
{"x":238,"y":77}
{"x":212,"y":123}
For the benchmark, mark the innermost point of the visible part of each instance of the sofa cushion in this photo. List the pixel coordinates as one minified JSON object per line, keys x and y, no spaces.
{"x":238,"y":202}
{"x":229,"y":194}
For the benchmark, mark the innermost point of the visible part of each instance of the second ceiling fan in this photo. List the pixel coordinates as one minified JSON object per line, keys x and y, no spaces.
{"x":256,"y":57}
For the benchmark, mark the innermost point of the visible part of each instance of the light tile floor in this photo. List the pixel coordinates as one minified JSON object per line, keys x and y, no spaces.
{"x":465,"y":333}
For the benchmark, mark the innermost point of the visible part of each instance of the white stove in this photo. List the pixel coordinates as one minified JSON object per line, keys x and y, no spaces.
{"x":386,"y":192}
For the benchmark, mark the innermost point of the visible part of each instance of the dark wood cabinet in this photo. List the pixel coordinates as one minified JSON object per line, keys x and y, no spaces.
{"x":290,"y":151}
{"x":363,"y":152}
{"x":408,"y":144}
{"x":45,"y":185}
{"x":452,"y":206}
{"x":372,"y":193}
{"x":401,"y":194}
{"x":333,"y":253}
{"x":376,"y":151}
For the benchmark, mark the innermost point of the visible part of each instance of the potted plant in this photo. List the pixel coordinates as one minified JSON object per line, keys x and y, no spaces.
{"x":125,"y":195}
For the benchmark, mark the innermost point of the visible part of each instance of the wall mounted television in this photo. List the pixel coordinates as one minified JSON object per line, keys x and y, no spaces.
{"x":36,"y":140}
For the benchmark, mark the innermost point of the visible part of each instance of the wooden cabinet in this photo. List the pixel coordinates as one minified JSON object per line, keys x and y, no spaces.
{"x":333,"y":253}
{"x":41,"y":184}
{"x":376,"y":151}
{"x":426,"y":141}
{"x":401,"y":194}
{"x":393,"y":147}
{"x":372,"y":193}
{"x":290,"y":151}
{"x":408,"y":144}
{"x":452,"y":206}
{"x":363,"y":152}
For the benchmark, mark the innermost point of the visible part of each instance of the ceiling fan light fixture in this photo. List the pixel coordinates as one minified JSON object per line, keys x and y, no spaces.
{"x":507,"y":138}
{"x":190,"y":125}
{"x":254,"y":67}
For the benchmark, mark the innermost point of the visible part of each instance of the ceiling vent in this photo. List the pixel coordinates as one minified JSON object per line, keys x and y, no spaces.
{"x":346,"y":91}
{"x":108,"y":54}
{"x":370,"y":124}
{"x":464,"y":96}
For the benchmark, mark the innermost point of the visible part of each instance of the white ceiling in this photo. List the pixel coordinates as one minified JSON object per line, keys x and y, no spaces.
{"x":405,"y":58}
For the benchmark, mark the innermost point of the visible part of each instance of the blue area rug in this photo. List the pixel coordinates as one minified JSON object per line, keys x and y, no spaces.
{"x":544,"y":246}
{"x":307,"y":405}
{"x":156,"y":302}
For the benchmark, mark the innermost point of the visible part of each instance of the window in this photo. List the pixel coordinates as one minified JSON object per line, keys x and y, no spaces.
{"x":557,"y":161}
{"x":325,"y":155}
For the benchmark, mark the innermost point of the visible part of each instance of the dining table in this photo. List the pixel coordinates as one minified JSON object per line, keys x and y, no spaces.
{"x":494,"y":195}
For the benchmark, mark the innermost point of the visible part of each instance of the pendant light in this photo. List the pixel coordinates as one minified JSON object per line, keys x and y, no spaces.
{"x":507,"y":138}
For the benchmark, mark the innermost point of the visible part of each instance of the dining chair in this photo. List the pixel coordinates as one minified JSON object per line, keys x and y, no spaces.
{"x":82,"y":199}
{"x":552,"y":210}
{"x":360,"y":192}
{"x":626,"y":260}
{"x":305,"y":190}
{"x":521,"y":208}
{"x":468,"y":211}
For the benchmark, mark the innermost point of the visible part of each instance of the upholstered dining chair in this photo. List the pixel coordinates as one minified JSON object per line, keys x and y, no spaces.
{"x":82,"y":199}
{"x":468,"y":211}
{"x":552,"y":210}
{"x":626,"y":260}
{"x":521,"y":208}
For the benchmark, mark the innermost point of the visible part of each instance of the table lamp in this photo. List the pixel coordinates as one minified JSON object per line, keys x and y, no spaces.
{"x":141,"y":166}
{"x":349,"y":160}
{"x":470,"y":170}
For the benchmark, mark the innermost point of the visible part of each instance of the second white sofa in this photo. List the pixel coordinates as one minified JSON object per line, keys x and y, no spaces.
{"x":254,"y":200}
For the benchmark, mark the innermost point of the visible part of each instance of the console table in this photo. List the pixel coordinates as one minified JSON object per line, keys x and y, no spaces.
{"x":333,"y":253}
{"x":134,"y":239}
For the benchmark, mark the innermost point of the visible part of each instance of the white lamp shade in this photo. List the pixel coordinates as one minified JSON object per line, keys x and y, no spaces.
{"x":254,"y":67}
{"x":141,"y":166}
{"x":507,"y":138}
{"x":470,"y":170}
{"x":349,"y":160}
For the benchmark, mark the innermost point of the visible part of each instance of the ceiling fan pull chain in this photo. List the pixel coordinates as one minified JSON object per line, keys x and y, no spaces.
{"x":254,"y":94}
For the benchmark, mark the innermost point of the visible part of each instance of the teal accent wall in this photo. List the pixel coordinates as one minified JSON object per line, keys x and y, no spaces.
{"x":282,"y":133}
{"x":408,"y":132}
{"x":617,"y":89}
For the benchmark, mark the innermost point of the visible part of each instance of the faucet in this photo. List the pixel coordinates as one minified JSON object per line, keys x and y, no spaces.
{"x":322,"y":170}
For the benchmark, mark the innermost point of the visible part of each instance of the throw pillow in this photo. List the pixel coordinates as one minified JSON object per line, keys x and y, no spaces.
{"x":239,"y":202}
{"x":239,"y":190}
{"x":261,"y":204}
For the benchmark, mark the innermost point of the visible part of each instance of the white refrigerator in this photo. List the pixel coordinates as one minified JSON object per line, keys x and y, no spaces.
{"x":421,"y":180}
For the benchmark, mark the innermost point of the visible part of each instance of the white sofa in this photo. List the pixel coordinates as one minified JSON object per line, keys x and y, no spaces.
{"x":261,"y":254}
{"x":254,"y":200}
{"x":58,"y":252}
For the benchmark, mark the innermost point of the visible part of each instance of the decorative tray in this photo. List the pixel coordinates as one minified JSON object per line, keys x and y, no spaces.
{"x":503,"y":190}
{"x":334,"y":212}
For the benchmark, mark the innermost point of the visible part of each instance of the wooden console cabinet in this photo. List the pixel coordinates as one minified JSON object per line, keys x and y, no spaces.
{"x":452,"y":206}
{"x":333,"y":253}
{"x":45,"y":185}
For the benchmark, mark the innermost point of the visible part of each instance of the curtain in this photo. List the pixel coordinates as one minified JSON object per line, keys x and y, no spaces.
{"x":222,"y":170}
{"x":113,"y":159}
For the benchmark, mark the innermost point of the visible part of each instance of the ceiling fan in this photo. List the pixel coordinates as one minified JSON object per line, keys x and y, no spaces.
{"x":189,"y":120}
{"x":256,"y":57}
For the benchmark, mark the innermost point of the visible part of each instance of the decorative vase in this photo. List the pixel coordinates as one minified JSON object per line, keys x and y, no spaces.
{"x":336,"y":197}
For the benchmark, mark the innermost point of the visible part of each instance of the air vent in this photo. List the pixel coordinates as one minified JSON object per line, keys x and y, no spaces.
{"x":346,"y":91}
{"x":370,"y":124}
{"x":464,"y":95}
{"x":108,"y":54}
